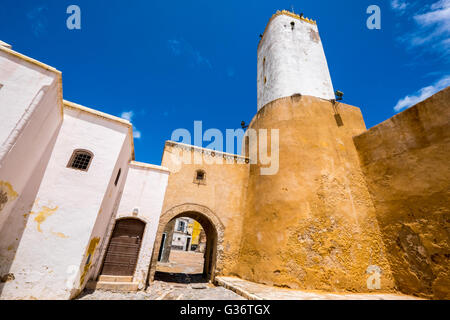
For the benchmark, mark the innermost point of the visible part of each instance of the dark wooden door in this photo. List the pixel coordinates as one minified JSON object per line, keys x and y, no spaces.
{"x":123,"y":249}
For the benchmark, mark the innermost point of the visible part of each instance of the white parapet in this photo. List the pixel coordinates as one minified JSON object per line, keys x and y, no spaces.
{"x":291,"y":60}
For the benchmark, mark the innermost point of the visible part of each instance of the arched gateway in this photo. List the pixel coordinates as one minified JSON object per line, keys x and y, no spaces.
{"x":210,"y":223}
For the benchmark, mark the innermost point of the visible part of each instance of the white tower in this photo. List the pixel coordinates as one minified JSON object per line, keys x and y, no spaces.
{"x":291,"y":60}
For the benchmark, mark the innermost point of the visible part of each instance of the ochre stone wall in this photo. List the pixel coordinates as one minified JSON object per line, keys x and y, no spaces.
{"x":223,"y":193}
{"x":313,"y":224}
{"x":406,"y":163}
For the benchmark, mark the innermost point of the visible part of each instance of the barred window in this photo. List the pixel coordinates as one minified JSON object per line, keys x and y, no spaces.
{"x":80,"y":160}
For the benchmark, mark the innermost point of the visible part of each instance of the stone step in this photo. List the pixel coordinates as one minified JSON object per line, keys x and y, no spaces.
{"x":113,"y":286}
{"x":104,"y":278}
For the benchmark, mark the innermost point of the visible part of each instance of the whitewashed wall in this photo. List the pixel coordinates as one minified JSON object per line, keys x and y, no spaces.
{"x":144,"y":189}
{"x":55,"y":235}
{"x":292,"y":61}
{"x":31,"y":115}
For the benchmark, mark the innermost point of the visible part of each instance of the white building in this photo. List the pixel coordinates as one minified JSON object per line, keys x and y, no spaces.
{"x":67,"y":176}
{"x":182,"y":234}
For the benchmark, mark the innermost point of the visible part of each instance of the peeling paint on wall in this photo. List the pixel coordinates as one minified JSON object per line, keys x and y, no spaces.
{"x":42,"y":215}
{"x":89,"y":254}
{"x":7,"y":193}
{"x":60,"y":234}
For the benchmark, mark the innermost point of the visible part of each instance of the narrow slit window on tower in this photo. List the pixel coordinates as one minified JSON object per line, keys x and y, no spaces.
{"x":117,"y":177}
{"x":80,"y":160}
{"x":264,"y":70}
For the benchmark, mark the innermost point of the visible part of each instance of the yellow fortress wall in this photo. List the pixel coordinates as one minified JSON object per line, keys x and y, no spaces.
{"x":406,"y":164}
{"x":312,"y":225}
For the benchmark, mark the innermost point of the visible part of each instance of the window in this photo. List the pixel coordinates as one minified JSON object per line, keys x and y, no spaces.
{"x":200,"y":177}
{"x":181,"y":225}
{"x":117,"y":178}
{"x":80,"y":160}
{"x":264,"y":70}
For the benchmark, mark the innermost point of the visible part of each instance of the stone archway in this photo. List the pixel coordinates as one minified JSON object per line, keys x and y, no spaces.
{"x":212,"y":225}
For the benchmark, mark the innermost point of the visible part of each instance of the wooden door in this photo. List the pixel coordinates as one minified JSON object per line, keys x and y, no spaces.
{"x":123,"y":249}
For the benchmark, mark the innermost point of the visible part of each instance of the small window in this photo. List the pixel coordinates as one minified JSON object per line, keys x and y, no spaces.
{"x":180,"y":226}
{"x":200,"y":177}
{"x":117,"y":178}
{"x":80,"y":160}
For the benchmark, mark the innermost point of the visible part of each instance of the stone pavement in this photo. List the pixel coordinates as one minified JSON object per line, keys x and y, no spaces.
{"x":162,"y":290}
{"x":255,"y":291}
{"x":182,"y":262}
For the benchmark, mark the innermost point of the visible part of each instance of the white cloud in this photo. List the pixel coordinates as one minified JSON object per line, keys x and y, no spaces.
{"x":182,"y":47}
{"x":399,"y":5}
{"x":438,"y":16}
{"x":422,"y":94}
{"x":433,"y":27}
{"x":128,"y":115}
{"x":136,"y":133}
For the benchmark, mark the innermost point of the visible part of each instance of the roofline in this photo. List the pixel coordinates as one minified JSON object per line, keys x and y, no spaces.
{"x":97,"y":113}
{"x":195,"y":148}
{"x":149,"y":166}
{"x":105,"y":116}
{"x":4,"y":44}
{"x":43,"y":66}
{"x":28,"y":59}
{"x":64,"y":103}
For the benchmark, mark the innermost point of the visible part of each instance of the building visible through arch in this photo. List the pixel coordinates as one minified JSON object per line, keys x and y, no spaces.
{"x":210,"y":223}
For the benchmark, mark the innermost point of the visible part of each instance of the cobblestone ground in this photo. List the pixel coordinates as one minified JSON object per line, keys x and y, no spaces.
{"x":180,"y":278}
{"x":161,"y":290}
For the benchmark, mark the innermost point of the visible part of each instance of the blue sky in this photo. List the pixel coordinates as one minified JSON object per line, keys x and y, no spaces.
{"x":166,"y":64}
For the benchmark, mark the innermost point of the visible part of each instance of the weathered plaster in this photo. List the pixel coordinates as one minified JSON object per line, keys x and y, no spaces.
{"x":313,"y":224}
{"x":406,"y":164}
{"x":223,"y":193}
{"x":32,"y":92}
